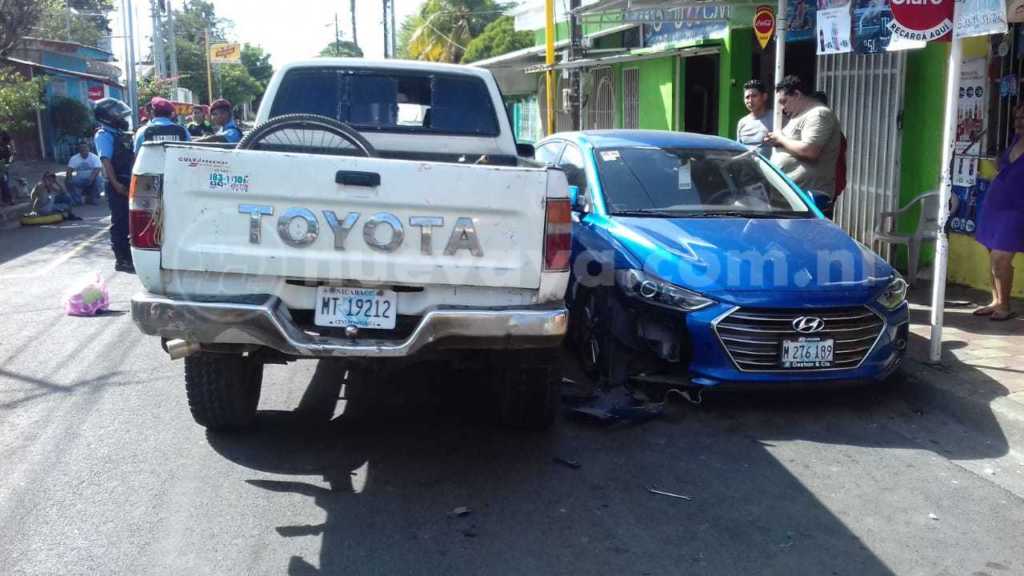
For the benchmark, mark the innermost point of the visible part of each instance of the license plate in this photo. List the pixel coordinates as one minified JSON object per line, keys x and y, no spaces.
{"x":359,"y":307}
{"x":808,"y":353}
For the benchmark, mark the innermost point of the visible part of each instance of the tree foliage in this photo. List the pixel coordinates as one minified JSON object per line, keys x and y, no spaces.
{"x":500,"y":37}
{"x":82,"y":21}
{"x":19,"y":99}
{"x":17,"y":18}
{"x":237,"y":82}
{"x":70,"y":118}
{"x":443,"y":29}
{"x":342,"y":48}
{"x":151,"y":86}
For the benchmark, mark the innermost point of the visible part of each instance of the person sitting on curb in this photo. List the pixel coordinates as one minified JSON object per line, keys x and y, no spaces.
{"x":48,"y":197}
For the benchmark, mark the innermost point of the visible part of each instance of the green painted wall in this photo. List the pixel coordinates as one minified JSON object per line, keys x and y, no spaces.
{"x":921,"y":148}
{"x":656,"y":93}
{"x":735,"y":68}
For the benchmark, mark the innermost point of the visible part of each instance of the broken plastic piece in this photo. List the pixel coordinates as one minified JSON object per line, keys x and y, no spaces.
{"x":565,"y":461}
{"x":460,"y":511}
{"x":663,"y":493}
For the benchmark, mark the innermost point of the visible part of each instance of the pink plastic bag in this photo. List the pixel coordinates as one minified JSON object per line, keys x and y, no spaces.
{"x":88,"y":298}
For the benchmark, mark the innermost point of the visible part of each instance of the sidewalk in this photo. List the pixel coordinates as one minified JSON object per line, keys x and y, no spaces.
{"x":32,"y":172}
{"x":980,"y":380}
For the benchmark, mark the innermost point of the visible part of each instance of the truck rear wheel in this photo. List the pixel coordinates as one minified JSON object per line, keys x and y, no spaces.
{"x":527,"y":386}
{"x":223,"y":389}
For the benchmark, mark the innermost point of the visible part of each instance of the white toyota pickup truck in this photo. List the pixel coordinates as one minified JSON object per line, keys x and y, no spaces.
{"x":379,"y":211}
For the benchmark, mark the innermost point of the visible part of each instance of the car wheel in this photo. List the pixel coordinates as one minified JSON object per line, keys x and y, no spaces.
{"x":223,"y":389}
{"x":589,"y":335}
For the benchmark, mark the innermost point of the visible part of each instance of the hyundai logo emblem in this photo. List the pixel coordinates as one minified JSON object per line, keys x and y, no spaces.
{"x":808,"y":324}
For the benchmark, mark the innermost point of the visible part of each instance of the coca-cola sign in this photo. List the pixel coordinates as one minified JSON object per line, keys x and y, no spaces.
{"x":764,"y":25}
{"x":921,"y":19}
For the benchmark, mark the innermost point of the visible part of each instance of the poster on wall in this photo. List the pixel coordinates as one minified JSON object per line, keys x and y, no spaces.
{"x":965,"y":170}
{"x":833,"y":27}
{"x":800,"y":20}
{"x":871,"y":33}
{"x":691,"y":24}
{"x":972,"y":106}
{"x":979,"y":18}
{"x":916,"y":20}
{"x":968,"y":205}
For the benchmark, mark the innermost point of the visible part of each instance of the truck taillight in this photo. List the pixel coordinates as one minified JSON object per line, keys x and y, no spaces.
{"x":144,"y":217}
{"x":557,"y":235}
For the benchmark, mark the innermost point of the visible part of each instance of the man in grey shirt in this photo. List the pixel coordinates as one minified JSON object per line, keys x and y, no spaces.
{"x":753,"y":128}
{"x":807,"y":147}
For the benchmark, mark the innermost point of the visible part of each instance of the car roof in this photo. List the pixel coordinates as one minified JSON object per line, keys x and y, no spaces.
{"x":656,"y":138}
{"x":389,"y":64}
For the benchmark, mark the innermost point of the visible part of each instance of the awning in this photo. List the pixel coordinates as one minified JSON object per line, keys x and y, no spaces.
{"x":65,"y":72}
{"x":624,"y":58}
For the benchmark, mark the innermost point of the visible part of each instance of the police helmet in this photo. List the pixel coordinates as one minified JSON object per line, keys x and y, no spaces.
{"x":112,"y":112}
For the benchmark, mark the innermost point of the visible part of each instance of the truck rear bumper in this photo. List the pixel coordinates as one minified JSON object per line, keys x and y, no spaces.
{"x":267,"y":322}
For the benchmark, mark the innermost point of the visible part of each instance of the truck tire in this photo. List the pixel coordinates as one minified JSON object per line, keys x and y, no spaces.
{"x":223,"y":389}
{"x":307,"y":133}
{"x":527,"y":387}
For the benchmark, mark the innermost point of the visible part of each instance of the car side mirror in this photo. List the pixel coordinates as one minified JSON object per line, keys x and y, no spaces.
{"x":822,"y":201}
{"x":577,"y":201}
{"x":525,"y":150}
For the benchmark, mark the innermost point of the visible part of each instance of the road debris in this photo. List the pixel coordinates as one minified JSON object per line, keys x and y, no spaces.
{"x":460,"y":512}
{"x":566,"y":462}
{"x":933,"y":516}
{"x":617,"y":406}
{"x":663,"y":493}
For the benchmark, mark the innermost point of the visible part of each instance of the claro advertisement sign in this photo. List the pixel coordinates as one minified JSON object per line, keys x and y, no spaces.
{"x":922,"y":19}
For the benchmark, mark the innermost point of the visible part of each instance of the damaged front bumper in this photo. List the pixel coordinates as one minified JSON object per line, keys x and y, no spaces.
{"x":662,"y":347}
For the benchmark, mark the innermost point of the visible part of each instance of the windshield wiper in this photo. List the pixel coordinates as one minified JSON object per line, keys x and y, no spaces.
{"x":742,"y":214}
{"x":651,"y":212}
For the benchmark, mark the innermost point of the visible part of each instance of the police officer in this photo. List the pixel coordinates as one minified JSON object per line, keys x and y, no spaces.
{"x":220,"y":113}
{"x":161,"y":128}
{"x":199,"y":127}
{"x":115,"y":151}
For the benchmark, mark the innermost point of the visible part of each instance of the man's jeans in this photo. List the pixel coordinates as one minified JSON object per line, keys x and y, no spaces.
{"x":83,"y":189}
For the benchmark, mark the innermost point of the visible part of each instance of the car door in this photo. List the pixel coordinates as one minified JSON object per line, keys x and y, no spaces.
{"x":589,"y":246}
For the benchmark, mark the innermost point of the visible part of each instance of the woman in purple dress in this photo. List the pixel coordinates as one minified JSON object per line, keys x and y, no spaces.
{"x":1001,"y":222}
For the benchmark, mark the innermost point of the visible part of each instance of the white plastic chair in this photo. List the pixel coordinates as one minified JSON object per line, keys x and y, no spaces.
{"x":927,"y":229}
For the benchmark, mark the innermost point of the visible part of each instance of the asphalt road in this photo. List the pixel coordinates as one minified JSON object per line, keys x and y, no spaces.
{"x":102,"y":470}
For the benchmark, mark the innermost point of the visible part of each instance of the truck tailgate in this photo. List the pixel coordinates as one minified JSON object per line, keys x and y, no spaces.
{"x":335,"y":218}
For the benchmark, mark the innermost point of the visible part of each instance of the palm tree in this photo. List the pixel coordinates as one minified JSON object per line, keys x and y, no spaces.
{"x":442,"y":29}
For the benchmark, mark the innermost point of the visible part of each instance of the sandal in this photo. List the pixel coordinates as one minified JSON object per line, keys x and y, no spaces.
{"x":984,"y":310}
{"x":1002,"y":317}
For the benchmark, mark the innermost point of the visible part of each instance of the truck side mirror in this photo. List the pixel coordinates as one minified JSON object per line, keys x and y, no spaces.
{"x":577,"y":201}
{"x":525,"y":150}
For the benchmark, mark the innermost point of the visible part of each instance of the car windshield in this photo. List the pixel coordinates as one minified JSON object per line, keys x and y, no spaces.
{"x":694,"y":182}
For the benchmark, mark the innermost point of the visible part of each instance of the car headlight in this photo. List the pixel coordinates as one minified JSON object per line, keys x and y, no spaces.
{"x":642,"y":286}
{"x":894,"y":295}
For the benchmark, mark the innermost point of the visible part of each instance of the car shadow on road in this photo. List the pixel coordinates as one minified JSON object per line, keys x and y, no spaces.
{"x":16,"y":242}
{"x":396,"y":470}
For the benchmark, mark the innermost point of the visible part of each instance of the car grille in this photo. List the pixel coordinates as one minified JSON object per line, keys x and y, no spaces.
{"x":753,"y":337}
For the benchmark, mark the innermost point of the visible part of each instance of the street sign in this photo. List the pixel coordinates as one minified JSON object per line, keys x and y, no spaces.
{"x":764,"y":25}
{"x":225,"y":53}
{"x":95,"y":92}
{"x":922,"y":19}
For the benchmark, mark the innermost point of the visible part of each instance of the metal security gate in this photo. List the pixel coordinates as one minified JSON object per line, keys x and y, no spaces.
{"x":601,"y":115}
{"x":866,"y":93}
{"x":631,"y":98}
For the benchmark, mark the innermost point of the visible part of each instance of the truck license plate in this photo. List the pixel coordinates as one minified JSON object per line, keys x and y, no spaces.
{"x":359,"y":307}
{"x":808,"y":353}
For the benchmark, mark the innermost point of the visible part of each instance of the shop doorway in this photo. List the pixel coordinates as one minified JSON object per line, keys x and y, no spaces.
{"x":699,"y":101}
{"x":801,"y":59}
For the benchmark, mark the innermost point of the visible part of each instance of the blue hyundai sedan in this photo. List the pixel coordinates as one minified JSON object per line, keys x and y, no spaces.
{"x":697,"y":263}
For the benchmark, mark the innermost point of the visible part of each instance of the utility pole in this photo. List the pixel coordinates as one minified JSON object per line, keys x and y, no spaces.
{"x":133,"y":97}
{"x":352,"y":11}
{"x":394,"y":46}
{"x":549,"y":61}
{"x":158,"y":41}
{"x":385,"y":21}
{"x":575,"y":53}
{"x":337,"y":36}
{"x":209,"y":72}
{"x":172,"y":41}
